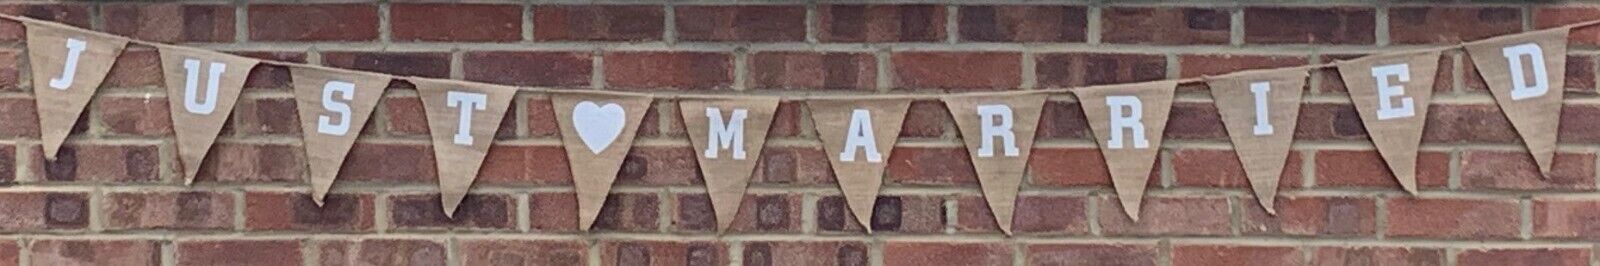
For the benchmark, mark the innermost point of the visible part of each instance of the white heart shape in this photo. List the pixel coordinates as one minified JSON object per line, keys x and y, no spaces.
{"x":598,"y":126}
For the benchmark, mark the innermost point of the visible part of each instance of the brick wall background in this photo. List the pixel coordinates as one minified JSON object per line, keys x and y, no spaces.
{"x":115,"y":197}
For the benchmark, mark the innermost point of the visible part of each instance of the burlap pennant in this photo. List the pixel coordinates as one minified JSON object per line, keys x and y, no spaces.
{"x":858,"y":135}
{"x":463,"y":118}
{"x":597,"y":130}
{"x":334,"y":105}
{"x":728,"y":134}
{"x":1128,"y":121}
{"x":202,"y":87}
{"x":68,"y":65}
{"x":1392,"y":92}
{"x":1527,"y":74}
{"x":1260,"y":110}
{"x":998,"y":130}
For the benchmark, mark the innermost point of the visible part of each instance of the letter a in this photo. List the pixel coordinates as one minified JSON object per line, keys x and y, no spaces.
{"x":860,"y":136}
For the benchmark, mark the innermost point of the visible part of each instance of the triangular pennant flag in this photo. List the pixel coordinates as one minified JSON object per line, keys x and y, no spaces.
{"x":1128,"y":121}
{"x":728,"y":134}
{"x":463,"y":118}
{"x":858,"y":135}
{"x":597,"y":130}
{"x":334,"y":105}
{"x":1260,"y":109}
{"x":1391,"y":92}
{"x":68,"y":65}
{"x":1527,"y":74}
{"x":998,"y":130}
{"x":202,"y":87}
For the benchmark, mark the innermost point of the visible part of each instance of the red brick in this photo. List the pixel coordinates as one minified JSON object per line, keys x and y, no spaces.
{"x":662,"y":120}
{"x":521,"y":252}
{"x":409,"y":163}
{"x":1063,"y":70}
{"x":455,"y":22}
{"x":1565,"y":218}
{"x":1329,"y":121}
{"x":761,"y":213}
{"x":1524,"y":256}
{"x":105,"y":163}
{"x":930,"y":166}
{"x":1515,"y":170}
{"x":598,"y":23}
{"x":629,"y":212}
{"x":509,"y":164}
{"x":1365,"y":168}
{"x":265,"y":116}
{"x":477,"y":211}
{"x":10,"y":69}
{"x":1062,"y":120}
{"x":660,"y":165}
{"x":957,"y":70}
{"x":1375,"y":255}
{"x":806,"y":253}
{"x":1092,"y":254}
{"x":900,"y":253}
{"x":928,"y":119}
{"x":881,"y":23}
{"x":405,"y":116}
{"x":890,"y":213}
{"x":75,"y":14}
{"x":294,"y":211}
{"x":317,"y":22}
{"x":786,"y":120}
{"x":170,"y":22}
{"x":1195,"y":65}
{"x":1451,"y":24}
{"x":143,"y":116}
{"x":813,"y":70}
{"x":1312,"y":216}
{"x":668,"y":70}
{"x":542,"y":119}
{"x":239,"y":252}
{"x":1195,"y":120}
{"x":558,"y":212}
{"x":32,"y":211}
{"x":94,"y":252}
{"x":10,"y":252}
{"x":1222,"y":169}
{"x":422,"y":64}
{"x":1310,"y":25}
{"x":230,"y":162}
{"x":1162,"y":215}
{"x":168,"y":210}
{"x":1235,"y":255}
{"x":8,"y":164}
{"x":1165,"y":25}
{"x":1478,"y":219}
{"x":137,"y":67}
{"x":554,"y":69}
{"x":793,"y":166}
{"x":1576,"y":127}
{"x":645,"y":252}
{"x":1074,"y":167}
{"x":761,"y":23}
{"x":271,"y":77}
{"x":1052,"y":215}
{"x":1556,"y":16}
{"x":382,"y":252}
{"x":1467,"y":123}
{"x":1024,"y":23}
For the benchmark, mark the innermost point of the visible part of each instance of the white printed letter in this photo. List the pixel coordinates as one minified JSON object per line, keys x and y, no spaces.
{"x":1386,"y":108}
{"x":74,"y":50}
{"x":467,"y":102}
{"x":346,"y":91}
{"x":1129,"y":120}
{"x":997,"y":122}
{"x":192,"y":101}
{"x":728,"y":135}
{"x":1263,"y":124}
{"x":860,"y":136}
{"x":1520,"y":87}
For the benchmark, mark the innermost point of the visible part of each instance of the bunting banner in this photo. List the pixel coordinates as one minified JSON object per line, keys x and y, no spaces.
{"x":1128,"y":121}
{"x":858,"y":135}
{"x":68,"y":65}
{"x":463,"y":118}
{"x":1260,"y":110}
{"x":334,"y":106}
{"x":998,"y":130}
{"x":728,"y":134}
{"x":1526,"y":73}
{"x":597,"y":130}
{"x":202,"y":87}
{"x":1391,"y":92}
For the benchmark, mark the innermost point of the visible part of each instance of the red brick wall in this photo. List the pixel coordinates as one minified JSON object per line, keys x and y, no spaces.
{"x":115,"y":195}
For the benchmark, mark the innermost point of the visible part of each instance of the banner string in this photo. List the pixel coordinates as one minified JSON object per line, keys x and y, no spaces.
{"x":1190,"y":80}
